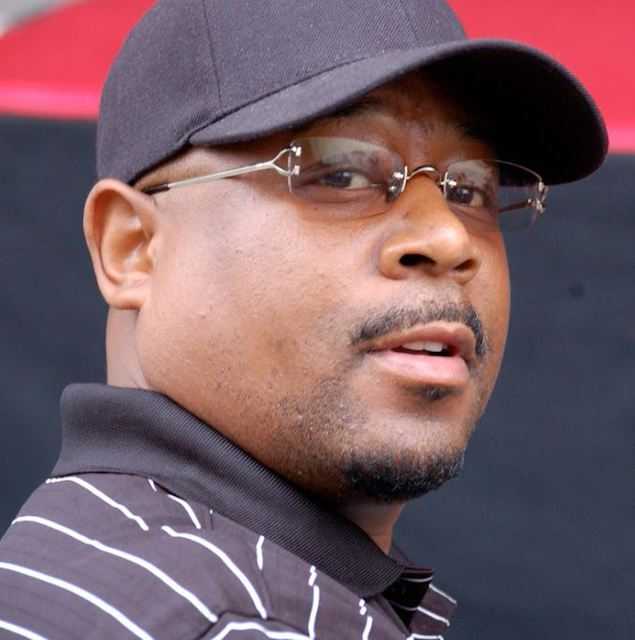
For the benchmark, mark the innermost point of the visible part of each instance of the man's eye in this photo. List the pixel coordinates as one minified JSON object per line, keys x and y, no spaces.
{"x":467,"y":196}
{"x":345,"y":179}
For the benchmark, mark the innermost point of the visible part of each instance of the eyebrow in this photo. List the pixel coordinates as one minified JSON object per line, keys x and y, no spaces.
{"x":368,"y":105}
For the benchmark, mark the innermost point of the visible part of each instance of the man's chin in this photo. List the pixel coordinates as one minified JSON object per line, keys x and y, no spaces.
{"x":388,"y":481}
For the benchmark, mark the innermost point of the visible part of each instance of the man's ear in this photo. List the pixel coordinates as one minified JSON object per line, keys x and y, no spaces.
{"x":120,"y":229}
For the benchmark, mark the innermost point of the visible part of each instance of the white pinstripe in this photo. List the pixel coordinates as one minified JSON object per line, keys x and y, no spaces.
{"x":417,"y":636}
{"x":259,"y":557}
{"x":367,"y":628}
{"x":124,"y":555}
{"x":314,"y":610}
{"x":122,"y":619}
{"x":254,"y":626}
{"x":417,"y":580}
{"x":442,"y":593}
{"x":152,"y":485}
{"x":188,"y":509}
{"x":227,"y":561}
{"x":103,"y":497}
{"x":434,"y":616}
{"x":20,"y":631}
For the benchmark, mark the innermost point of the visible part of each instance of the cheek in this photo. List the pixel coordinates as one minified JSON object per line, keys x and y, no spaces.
{"x":237,"y":302}
{"x":491,"y":296}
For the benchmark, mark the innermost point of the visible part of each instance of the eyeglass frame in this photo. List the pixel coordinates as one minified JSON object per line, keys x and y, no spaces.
{"x":429,"y":170}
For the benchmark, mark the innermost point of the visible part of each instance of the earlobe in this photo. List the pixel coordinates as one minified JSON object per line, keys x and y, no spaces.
{"x":120,"y":231}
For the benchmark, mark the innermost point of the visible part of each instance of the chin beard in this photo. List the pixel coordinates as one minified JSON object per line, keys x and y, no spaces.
{"x":391,"y":481}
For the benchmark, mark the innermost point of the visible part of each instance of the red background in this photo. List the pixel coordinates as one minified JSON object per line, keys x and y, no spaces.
{"x":55,"y":64}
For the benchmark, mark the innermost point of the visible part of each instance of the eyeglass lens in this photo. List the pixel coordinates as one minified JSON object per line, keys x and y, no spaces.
{"x":356,"y":179}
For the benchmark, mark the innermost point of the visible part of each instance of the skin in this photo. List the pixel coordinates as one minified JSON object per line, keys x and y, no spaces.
{"x":238,"y":301}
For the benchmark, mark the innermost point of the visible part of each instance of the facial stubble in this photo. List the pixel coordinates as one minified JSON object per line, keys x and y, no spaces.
{"x":341,"y":454}
{"x":348,"y":453}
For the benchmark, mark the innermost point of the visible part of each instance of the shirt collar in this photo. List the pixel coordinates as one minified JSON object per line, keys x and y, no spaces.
{"x":133,"y":431}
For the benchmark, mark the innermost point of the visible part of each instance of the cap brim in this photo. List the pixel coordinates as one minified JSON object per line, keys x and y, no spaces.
{"x":539,"y":115}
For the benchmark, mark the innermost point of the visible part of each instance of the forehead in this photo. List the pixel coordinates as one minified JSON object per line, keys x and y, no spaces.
{"x":413,"y":110}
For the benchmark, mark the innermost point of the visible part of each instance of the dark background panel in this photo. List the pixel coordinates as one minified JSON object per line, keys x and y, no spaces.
{"x":52,"y":320}
{"x":535,"y":537}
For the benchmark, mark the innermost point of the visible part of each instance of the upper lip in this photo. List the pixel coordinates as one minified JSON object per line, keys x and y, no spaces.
{"x":458,"y":337}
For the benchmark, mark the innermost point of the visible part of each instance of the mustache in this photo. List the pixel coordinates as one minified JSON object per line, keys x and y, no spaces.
{"x":403,"y":318}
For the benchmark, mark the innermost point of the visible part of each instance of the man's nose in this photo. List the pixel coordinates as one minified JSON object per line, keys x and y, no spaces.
{"x":428,"y":239}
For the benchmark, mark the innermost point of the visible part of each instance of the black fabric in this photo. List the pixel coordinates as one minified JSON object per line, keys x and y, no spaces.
{"x":534,"y":539}
{"x":135,"y":558}
{"x":213,"y":72}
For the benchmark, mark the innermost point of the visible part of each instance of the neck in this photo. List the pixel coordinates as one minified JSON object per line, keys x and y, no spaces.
{"x":376,"y":520}
{"x":124,"y":369}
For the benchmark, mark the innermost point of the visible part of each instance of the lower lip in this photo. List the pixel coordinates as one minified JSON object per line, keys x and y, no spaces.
{"x":449,"y":371}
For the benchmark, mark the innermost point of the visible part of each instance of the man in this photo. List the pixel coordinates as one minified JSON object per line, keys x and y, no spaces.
{"x":298,"y":231}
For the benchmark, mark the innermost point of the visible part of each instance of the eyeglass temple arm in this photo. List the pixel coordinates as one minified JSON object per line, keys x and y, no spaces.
{"x":538,"y":203}
{"x":229,"y":173}
{"x":518,"y":205}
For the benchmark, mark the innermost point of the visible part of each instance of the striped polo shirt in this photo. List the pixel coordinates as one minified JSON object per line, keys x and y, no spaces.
{"x":154,"y":525}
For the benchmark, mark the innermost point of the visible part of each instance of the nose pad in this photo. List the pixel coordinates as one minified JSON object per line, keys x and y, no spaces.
{"x":430,"y":240}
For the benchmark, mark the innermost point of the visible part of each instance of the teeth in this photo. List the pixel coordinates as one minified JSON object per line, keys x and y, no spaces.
{"x":432,"y":347}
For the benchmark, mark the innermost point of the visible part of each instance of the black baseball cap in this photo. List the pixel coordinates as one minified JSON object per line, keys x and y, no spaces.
{"x":207,"y":72}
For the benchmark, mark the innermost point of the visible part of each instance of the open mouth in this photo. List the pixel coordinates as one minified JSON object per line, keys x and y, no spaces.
{"x":434,"y":354}
{"x":428,"y":348}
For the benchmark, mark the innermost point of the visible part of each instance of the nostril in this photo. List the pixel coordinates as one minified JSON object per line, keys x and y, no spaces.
{"x":468,"y":265}
{"x":414,"y":260}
